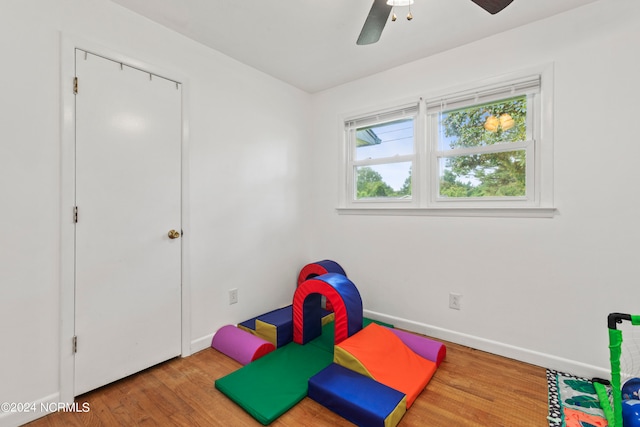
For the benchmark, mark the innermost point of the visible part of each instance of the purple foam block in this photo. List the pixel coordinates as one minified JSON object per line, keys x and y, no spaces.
{"x":240,"y":345}
{"x":422,"y":346}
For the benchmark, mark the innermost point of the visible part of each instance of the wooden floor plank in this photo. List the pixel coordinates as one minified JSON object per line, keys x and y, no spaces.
{"x":470,"y":389}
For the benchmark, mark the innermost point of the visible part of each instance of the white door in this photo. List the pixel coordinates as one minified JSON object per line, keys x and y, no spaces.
{"x":128,"y":184}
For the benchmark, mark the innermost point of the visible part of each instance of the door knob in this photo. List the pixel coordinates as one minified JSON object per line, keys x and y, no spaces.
{"x":173,"y":234}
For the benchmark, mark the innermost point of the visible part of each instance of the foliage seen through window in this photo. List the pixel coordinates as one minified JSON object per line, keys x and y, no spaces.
{"x":486,"y":174}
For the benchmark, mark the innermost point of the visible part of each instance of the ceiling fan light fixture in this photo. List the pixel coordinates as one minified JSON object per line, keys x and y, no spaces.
{"x":492,"y":123}
{"x":381,"y":10}
{"x":400,"y":3}
{"x":506,"y":121}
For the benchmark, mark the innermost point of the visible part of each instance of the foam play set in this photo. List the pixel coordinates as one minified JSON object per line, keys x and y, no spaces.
{"x":321,"y":346}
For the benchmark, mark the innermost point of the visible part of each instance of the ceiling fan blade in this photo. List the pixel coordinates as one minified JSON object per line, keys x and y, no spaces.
{"x":492,"y":6}
{"x":376,"y":20}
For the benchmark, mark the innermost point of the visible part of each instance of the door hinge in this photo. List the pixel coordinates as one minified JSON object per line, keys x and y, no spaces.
{"x":75,"y":344}
{"x":75,"y":214}
{"x":75,"y":85}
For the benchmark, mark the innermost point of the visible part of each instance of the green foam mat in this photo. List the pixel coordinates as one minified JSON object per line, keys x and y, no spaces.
{"x":271,"y":385}
{"x":268,"y":387}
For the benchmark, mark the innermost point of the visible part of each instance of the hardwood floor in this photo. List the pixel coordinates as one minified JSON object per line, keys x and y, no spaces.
{"x":471,"y":388}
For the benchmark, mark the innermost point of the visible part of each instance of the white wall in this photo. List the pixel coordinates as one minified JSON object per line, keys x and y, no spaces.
{"x":535,"y":289}
{"x":262,"y":204}
{"x":247,"y":178}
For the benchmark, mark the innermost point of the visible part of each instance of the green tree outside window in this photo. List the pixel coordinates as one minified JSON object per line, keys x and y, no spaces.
{"x":497,"y":174}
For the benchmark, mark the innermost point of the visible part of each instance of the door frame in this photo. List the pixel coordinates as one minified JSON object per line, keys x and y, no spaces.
{"x":68,"y":44}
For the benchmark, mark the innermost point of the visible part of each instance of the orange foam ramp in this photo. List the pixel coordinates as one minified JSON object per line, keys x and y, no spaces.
{"x":378,"y":353}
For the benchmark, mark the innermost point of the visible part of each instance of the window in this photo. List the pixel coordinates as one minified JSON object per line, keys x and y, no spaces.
{"x":476,"y":151}
{"x":483,"y":145}
{"x":382,"y":155}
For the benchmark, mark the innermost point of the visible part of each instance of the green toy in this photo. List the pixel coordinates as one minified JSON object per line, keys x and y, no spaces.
{"x":613,"y":407}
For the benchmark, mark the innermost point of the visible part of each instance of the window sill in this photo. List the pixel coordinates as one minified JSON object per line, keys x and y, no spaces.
{"x":529,"y":212}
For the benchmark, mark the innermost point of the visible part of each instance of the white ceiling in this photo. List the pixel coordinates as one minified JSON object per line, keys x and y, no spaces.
{"x":311,"y":44}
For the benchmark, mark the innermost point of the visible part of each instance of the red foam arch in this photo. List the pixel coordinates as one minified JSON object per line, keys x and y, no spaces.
{"x":319,"y":268}
{"x":317,"y":286}
{"x":310,"y":271}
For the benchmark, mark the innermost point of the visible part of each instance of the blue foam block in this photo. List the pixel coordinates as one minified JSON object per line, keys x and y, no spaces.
{"x":282,"y":320}
{"x":359,"y":399}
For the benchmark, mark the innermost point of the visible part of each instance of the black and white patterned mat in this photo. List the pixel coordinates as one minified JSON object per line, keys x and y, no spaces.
{"x":577,"y":395}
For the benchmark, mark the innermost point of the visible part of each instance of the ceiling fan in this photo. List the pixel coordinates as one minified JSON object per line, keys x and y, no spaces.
{"x":381,"y":9}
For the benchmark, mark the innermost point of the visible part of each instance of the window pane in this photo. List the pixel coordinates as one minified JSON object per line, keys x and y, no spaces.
{"x":391,"y":180}
{"x":485,"y":124}
{"x":385,"y":140}
{"x":483,"y":175}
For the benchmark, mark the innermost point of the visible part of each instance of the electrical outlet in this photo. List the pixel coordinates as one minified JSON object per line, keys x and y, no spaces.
{"x":233,"y":296}
{"x":454,"y":301}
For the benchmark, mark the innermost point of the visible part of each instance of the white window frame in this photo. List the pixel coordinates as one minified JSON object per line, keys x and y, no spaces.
{"x":538,"y":201}
{"x":528,"y":86}
{"x":350,"y":126}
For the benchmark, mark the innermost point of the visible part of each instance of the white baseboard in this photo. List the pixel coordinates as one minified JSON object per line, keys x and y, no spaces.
{"x":29,"y":411}
{"x":506,"y":350}
{"x":201,"y":343}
